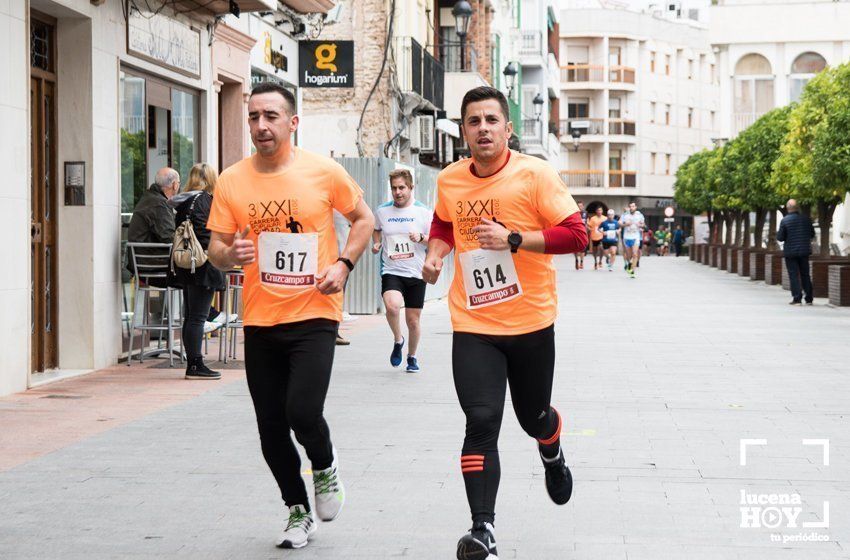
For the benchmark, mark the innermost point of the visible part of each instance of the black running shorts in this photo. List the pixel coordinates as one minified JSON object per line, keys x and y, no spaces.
{"x":412,"y":289}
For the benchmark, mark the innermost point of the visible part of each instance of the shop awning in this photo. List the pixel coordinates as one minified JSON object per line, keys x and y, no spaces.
{"x":310,"y":6}
{"x":449,"y":127}
{"x":221,"y":7}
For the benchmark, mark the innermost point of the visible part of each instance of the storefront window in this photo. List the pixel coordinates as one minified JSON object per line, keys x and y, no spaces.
{"x":133,"y":146}
{"x":184,"y":132}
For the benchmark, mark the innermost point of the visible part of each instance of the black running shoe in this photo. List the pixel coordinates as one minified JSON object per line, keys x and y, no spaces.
{"x":395,"y":357}
{"x":478,"y":544}
{"x":559,"y":480}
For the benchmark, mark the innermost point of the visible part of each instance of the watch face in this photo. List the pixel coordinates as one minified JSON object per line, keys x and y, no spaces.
{"x":514,"y":239}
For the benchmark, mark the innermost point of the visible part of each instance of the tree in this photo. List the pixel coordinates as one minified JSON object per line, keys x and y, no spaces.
{"x":813,"y":162}
{"x":725,"y":201}
{"x":831,"y":152}
{"x":691,"y":190}
{"x":759,"y":146}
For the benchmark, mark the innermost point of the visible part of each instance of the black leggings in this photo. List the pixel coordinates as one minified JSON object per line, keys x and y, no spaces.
{"x":196,"y":301}
{"x":288,"y":368}
{"x":483,"y":365}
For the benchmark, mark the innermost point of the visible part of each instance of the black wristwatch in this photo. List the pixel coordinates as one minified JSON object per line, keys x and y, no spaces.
{"x":514,"y":240}
{"x":346,"y":262}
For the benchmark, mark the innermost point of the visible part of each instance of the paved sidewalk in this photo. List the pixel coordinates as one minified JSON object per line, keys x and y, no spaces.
{"x":658,"y":380}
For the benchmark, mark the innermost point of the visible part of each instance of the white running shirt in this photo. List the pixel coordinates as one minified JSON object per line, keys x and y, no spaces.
{"x":399,"y":255}
{"x":631,"y":224}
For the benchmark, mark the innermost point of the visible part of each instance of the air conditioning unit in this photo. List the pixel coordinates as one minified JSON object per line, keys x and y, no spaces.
{"x":426,"y":134}
{"x":413,"y":134}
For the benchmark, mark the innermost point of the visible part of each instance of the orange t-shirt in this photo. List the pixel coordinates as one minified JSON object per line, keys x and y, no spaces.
{"x":526,"y":195}
{"x":593,"y":224}
{"x":300,"y":199}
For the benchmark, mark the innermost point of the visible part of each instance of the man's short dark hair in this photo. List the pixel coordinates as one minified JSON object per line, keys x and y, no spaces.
{"x":480,"y":94}
{"x":271,"y":87}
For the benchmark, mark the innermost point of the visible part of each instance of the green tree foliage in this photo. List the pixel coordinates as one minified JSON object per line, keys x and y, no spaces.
{"x":814,"y":164}
{"x":760,"y":146}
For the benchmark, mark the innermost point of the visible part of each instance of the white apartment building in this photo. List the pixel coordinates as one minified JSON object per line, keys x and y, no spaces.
{"x":540,"y":79}
{"x":639,"y":95}
{"x":765,"y":66}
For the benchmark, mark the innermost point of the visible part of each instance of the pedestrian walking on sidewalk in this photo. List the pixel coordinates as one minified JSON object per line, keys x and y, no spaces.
{"x":505,"y":214}
{"x":797,"y":232}
{"x":678,"y":240}
{"x":401,"y":236}
{"x":273,"y":215}
{"x":201,"y":283}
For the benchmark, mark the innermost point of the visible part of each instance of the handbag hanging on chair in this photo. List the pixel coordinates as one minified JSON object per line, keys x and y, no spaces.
{"x":187,"y":252}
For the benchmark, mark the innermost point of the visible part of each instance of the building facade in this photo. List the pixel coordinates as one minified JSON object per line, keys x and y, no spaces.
{"x":639,"y":95}
{"x":766,"y":66}
{"x":539,"y":81}
{"x":103,"y":94}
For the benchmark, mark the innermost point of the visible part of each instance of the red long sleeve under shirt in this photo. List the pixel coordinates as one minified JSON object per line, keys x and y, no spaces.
{"x":570,"y":236}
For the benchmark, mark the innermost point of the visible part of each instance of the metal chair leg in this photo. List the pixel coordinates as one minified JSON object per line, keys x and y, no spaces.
{"x":133,"y":331}
{"x":169,"y":322}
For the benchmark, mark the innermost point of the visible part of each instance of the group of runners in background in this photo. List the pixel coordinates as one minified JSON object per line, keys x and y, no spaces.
{"x":606,"y":231}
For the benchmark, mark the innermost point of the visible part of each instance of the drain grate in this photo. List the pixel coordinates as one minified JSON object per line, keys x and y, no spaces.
{"x":61,"y":396}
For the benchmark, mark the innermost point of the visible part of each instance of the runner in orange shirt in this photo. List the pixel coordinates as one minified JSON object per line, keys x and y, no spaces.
{"x":273,"y":215}
{"x":593,"y":224}
{"x":505,"y":214}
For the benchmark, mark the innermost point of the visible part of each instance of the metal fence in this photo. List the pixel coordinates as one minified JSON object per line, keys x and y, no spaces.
{"x":363,"y":292}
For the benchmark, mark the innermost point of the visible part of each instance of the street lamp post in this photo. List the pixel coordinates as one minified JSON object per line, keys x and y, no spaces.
{"x":538,"y":110}
{"x":576,"y":134}
{"x":462,"y":12}
{"x":510,"y":72}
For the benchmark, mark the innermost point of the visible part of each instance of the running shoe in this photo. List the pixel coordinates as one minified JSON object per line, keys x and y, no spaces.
{"x":330,"y":493}
{"x":610,"y":267}
{"x":478,"y":544}
{"x":395,"y":357}
{"x":210,"y":326}
{"x":632,"y":273}
{"x":299,"y":528}
{"x":221,"y":317}
{"x":559,"y":480}
{"x":412,"y":365}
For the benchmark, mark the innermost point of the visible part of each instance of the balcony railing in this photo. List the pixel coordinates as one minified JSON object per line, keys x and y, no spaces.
{"x":621,"y":126}
{"x":596,"y":126}
{"x":531,"y":131}
{"x":419,"y":72}
{"x":621,"y":74}
{"x":450,"y":56}
{"x":531,"y":42}
{"x":619,"y":178}
{"x":744,"y":120}
{"x":575,"y":73}
{"x":583,"y":178}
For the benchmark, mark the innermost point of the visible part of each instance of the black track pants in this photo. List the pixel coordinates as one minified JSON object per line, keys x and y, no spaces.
{"x":483,"y":365}
{"x":288,"y":369}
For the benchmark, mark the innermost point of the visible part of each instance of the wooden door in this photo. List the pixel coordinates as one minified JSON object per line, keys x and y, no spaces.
{"x":44,"y":193}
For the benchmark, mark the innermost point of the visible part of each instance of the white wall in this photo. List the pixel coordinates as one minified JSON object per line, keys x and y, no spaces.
{"x":14,"y":199}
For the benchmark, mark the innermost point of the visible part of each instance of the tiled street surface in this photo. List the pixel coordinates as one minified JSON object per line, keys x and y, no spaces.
{"x":658,"y":380}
